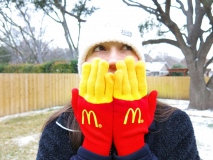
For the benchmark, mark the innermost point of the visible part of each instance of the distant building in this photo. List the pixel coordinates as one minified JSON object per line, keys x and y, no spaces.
{"x":156,"y":68}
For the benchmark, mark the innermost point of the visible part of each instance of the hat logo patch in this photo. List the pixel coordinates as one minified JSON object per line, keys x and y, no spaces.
{"x":126,"y":33}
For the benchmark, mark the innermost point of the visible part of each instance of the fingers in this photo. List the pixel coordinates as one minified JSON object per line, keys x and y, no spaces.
{"x":92,"y":77}
{"x":100,"y":84}
{"x":141,"y":77}
{"x":133,"y":81}
{"x":126,"y":88}
{"x":96,"y":85}
{"x":118,"y":84}
{"x":128,"y":82}
{"x":109,"y":78}
{"x":86,"y":67}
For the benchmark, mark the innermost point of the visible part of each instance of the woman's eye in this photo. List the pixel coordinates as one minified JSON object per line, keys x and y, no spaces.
{"x":126,"y":47}
{"x":99,"y":48}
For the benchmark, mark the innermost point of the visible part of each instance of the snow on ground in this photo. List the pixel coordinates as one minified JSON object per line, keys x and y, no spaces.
{"x":183,"y":104}
{"x":202,"y":122}
{"x":22,"y":141}
{"x":29,"y":113}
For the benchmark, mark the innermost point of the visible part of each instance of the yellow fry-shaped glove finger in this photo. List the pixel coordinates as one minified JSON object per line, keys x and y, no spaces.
{"x":104,"y":83}
{"x":94,"y":82}
{"x":86,"y":67}
{"x":118,"y":84}
{"x":141,"y":76}
{"x":125,"y":79}
{"x":109,"y":79}
{"x":126,"y":88}
{"x":133,"y":81}
{"x":130,"y":79}
{"x":122,"y":88}
{"x":92,"y":78}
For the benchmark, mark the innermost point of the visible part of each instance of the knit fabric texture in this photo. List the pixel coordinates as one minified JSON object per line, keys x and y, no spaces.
{"x":170,"y":140}
{"x":103,"y":28}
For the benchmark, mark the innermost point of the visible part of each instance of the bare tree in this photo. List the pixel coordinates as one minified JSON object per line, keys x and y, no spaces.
{"x":191,"y":39}
{"x":25,"y":39}
{"x":6,"y":37}
{"x":58,"y":10}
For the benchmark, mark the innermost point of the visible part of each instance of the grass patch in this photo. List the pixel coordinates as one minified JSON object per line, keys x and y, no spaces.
{"x":19,"y":136}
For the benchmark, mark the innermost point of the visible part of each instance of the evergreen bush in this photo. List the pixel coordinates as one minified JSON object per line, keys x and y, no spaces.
{"x":49,"y":67}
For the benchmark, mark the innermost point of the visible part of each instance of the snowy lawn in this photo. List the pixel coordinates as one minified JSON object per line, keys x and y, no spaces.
{"x":19,"y":134}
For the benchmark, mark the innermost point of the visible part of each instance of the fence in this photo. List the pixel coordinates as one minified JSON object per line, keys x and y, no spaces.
{"x":26,"y":92}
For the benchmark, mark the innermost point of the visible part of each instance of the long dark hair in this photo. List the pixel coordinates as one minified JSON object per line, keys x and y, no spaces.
{"x":162,"y":113}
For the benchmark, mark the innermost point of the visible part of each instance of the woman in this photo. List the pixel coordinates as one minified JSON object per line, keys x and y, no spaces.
{"x":111,"y":116}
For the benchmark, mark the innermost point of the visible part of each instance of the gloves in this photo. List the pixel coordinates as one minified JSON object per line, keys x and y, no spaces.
{"x":93,"y":106}
{"x":133,"y":111}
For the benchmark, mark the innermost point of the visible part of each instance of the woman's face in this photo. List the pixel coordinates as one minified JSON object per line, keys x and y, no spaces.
{"x":111,"y":52}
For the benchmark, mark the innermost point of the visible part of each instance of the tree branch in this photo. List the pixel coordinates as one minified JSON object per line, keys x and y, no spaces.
{"x":63,"y":10}
{"x":207,"y":63}
{"x":204,"y":49}
{"x":136,"y":4}
{"x":182,"y":6}
{"x":194,"y":30}
{"x":157,"y":41}
{"x":13,"y":47}
{"x":168,"y":4}
{"x":159,"y":9}
{"x":208,"y":8}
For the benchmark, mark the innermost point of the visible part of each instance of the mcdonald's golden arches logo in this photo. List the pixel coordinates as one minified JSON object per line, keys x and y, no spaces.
{"x":134,"y":112}
{"x":88,"y":115}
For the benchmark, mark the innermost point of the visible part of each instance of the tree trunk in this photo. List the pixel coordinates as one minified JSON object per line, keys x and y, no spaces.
{"x":200,"y":96}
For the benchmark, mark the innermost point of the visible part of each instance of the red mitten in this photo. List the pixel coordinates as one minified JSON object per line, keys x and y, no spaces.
{"x":93,"y":106}
{"x":133,"y":110}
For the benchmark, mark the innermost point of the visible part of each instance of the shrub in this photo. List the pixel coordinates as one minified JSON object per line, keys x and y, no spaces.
{"x":11,"y":69}
{"x":2,"y":66}
{"x":176,"y":66}
{"x":74,"y":66}
{"x":49,"y":67}
{"x":61,"y":67}
{"x":46,"y":67}
{"x":26,"y":68}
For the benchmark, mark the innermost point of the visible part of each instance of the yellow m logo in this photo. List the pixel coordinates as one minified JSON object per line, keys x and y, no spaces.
{"x":88,"y":114}
{"x":133,"y":115}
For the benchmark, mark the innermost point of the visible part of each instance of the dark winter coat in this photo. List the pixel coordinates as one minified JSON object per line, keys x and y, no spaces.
{"x":172,"y":139}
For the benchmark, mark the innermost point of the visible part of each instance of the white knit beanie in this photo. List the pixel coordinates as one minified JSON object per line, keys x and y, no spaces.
{"x":108,"y":28}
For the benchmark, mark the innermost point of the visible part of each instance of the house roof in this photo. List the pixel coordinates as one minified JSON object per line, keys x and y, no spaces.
{"x":156,"y":66}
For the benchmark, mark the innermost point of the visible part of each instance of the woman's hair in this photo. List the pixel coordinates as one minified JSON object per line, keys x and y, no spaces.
{"x":162,"y":113}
